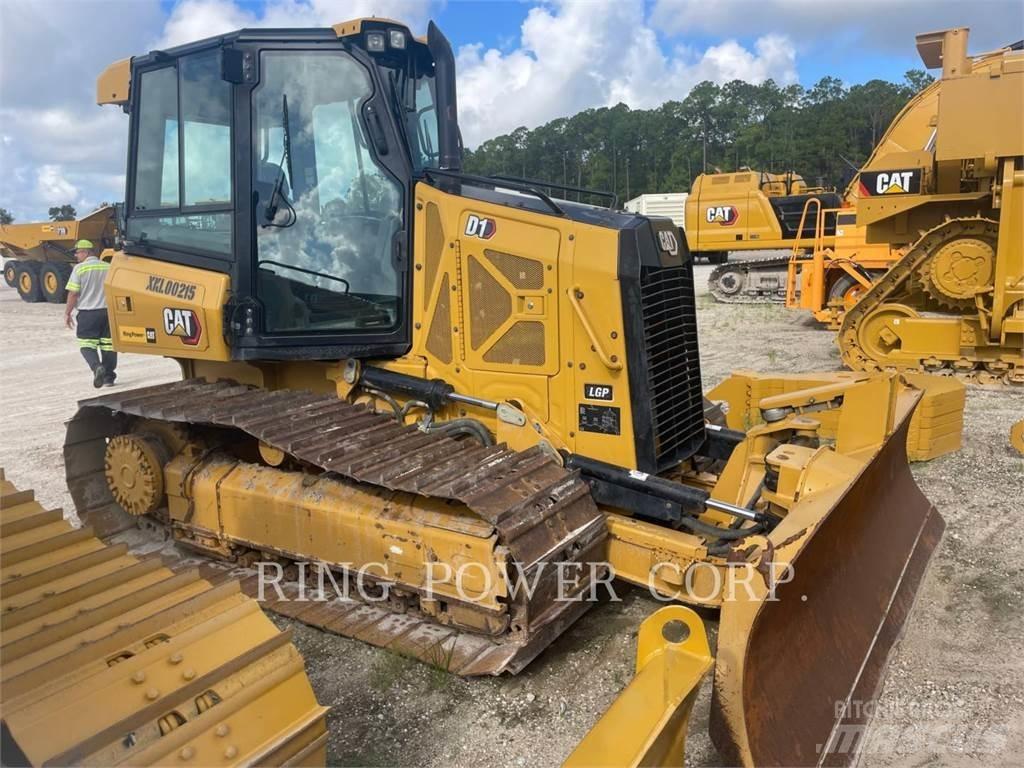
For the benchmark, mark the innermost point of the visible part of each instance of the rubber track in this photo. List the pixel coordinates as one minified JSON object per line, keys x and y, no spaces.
{"x":894,"y":281}
{"x":747,"y":266}
{"x":539,"y":509}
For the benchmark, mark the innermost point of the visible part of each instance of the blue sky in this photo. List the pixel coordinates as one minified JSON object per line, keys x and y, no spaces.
{"x":496,"y":24}
{"x":520,"y":62}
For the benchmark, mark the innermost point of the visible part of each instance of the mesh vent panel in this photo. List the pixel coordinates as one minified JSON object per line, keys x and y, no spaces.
{"x":521,"y":272}
{"x":522,"y":344}
{"x":439,"y":340}
{"x":489,"y":304}
{"x":435,"y":245}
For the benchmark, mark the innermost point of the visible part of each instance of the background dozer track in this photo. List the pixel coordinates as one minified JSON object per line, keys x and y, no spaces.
{"x":421,"y":501}
{"x":877,"y":332}
{"x":750,"y":281}
{"x":111,"y":659}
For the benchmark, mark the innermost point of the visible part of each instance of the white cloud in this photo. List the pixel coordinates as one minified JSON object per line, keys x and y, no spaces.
{"x":859,"y":27}
{"x":196,"y":19}
{"x":53,"y":187}
{"x":58,"y":146}
{"x":575,"y":55}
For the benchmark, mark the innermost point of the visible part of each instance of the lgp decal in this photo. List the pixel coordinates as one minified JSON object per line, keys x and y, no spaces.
{"x":597,"y":392}
{"x":183,"y":323}
{"x":724,"y":215}
{"x":477,"y":226}
{"x":175,"y":288}
{"x":668,"y":241}
{"x":875,"y":183}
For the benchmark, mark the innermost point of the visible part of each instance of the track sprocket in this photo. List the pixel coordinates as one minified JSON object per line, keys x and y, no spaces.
{"x":958,"y":270}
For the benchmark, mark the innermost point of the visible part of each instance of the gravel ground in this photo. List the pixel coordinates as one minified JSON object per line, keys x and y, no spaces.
{"x":954,"y":694}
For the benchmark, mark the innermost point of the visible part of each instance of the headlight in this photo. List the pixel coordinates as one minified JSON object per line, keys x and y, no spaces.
{"x":397,"y":38}
{"x":375,"y":42}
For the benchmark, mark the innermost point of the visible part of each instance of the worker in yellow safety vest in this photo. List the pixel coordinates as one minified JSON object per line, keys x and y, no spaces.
{"x":86,"y":293}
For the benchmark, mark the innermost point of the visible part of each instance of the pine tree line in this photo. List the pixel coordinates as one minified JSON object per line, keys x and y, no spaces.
{"x":823,"y":133}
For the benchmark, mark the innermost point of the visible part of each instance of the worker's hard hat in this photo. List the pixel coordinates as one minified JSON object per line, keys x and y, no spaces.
{"x":85,"y":245}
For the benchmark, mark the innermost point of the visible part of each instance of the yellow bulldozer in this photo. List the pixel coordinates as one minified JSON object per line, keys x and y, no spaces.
{"x":477,"y":401}
{"x":954,"y":302}
{"x":38,"y":257}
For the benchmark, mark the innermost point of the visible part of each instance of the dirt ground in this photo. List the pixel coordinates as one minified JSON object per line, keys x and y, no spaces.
{"x":954,"y":694}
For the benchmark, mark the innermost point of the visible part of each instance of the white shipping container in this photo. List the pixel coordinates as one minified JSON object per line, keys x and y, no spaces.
{"x":671,"y":205}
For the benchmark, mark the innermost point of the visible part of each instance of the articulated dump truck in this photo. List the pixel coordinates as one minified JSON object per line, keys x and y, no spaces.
{"x":38,"y":257}
{"x":460,"y":390}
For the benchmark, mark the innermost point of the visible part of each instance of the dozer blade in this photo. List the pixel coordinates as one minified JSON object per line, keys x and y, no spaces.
{"x":795,"y":676}
{"x":110,"y":659}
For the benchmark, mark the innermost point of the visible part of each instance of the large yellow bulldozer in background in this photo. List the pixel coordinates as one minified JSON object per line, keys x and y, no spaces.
{"x":480,"y":401}
{"x":39,"y":256}
{"x":954,"y":302}
{"x":834,"y":260}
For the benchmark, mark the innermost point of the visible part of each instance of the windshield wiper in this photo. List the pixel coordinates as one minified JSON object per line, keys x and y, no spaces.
{"x":286,"y":158}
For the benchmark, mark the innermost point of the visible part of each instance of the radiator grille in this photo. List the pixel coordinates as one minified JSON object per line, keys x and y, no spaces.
{"x":673,"y":362}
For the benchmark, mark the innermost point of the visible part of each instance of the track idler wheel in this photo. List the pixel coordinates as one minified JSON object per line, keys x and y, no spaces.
{"x":878,"y":334}
{"x":730,"y":282}
{"x":134,"y":468}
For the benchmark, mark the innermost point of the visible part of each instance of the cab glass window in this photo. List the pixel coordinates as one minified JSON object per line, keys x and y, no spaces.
{"x":422,"y":125}
{"x":156,"y":166}
{"x":327,"y":214}
{"x":182,"y":191}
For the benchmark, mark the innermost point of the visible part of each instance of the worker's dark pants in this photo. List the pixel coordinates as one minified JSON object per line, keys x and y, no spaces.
{"x":95,"y":342}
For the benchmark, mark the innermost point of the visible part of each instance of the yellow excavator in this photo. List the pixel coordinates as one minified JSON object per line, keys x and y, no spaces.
{"x":478,"y":400}
{"x":954,"y":302}
{"x":751,"y":210}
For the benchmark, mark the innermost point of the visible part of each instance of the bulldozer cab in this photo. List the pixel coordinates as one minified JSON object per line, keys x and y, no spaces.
{"x":285,"y":159}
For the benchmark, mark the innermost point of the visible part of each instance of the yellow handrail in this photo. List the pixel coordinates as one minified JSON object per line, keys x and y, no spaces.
{"x":611,"y":362}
